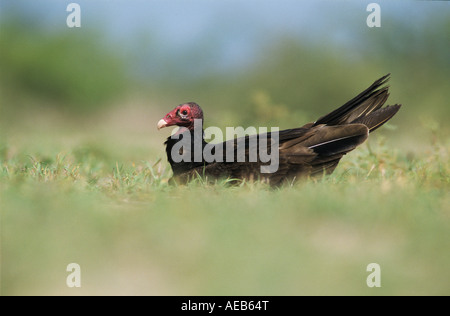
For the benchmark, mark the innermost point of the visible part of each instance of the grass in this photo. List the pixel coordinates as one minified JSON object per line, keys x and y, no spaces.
{"x":132,"y":233}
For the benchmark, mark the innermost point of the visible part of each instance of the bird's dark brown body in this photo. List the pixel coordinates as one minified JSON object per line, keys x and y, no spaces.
{"x":313,"y":149}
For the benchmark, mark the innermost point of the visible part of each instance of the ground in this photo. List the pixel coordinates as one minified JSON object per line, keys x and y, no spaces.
{"x":99,"y":197}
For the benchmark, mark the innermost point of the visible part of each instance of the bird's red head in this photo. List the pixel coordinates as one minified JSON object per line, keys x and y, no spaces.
{"x":183,"y":116}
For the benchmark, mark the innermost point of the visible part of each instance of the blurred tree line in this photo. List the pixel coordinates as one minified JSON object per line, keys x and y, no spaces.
{"x":291,"y":82}
{"x":70,"y":71}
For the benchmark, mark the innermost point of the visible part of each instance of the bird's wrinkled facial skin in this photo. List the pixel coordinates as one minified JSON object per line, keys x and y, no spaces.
{"x":183,"y":116}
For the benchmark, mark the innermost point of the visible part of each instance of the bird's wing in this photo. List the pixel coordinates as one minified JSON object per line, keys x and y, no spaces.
{"x":300,"y":152}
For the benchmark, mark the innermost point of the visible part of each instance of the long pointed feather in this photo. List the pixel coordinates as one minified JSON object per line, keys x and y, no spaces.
{"x":376,"y":119}
{"x":335,"y":117}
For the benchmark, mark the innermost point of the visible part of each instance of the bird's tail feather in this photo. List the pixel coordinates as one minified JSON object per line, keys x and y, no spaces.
{"x":378,"y":117}
{"x":363,"y":107}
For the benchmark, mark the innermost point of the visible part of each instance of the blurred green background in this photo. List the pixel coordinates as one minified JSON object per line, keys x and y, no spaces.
{"x":84,"y":170}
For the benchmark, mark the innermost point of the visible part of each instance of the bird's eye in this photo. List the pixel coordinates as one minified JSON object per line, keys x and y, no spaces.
{"x":184,"y":112}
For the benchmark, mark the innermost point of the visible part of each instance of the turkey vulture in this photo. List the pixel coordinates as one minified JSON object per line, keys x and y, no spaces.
{"x":313,"y":149}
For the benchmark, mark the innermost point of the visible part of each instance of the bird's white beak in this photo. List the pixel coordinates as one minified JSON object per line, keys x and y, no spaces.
{"x":161,"y":124}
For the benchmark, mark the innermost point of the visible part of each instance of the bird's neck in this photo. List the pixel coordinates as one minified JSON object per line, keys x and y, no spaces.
{"x":184,"y":149}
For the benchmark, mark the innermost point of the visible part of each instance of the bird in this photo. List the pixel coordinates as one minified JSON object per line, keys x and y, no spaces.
{"x":311,"y":150}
